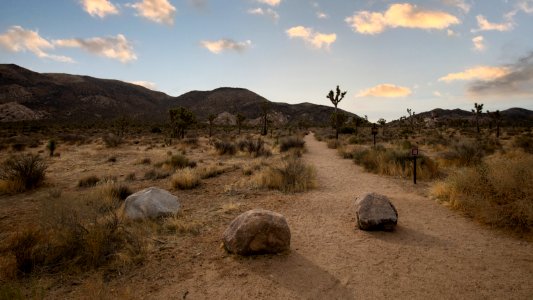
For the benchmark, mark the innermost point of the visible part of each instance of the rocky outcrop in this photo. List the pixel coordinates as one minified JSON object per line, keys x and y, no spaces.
{"x":257,"y":231}
{"x":151,"y":203}
{"x":375,"y":212}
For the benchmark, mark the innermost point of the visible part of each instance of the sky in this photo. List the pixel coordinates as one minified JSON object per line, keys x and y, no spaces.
{"x":387,"y":55}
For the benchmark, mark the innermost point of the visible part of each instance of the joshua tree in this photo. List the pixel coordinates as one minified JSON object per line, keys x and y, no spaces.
{"x":497,"y":118}
{"x":411,"y":118}
{"x":211,"y":119}
{"x":240,"y":119}
{"x":335,"y":98}
{"x":382,"y":122}
{"x":341,"y":119}
{"x":180,"y":119}
{"x":265,"y":107}
{"x":477,"y":111}
{"x":51,"y":146}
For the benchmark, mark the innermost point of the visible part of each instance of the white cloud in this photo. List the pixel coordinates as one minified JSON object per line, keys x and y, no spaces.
{"x":264,"y":12}
{"x":437,"y":94}
{"x":321,"y":15}
{"x":100,"y":8}
{"x":270,"y":2}
{"x":461,"y":4}
{"x":118,"y":47}
{"x":385,"y":90}
{"x":159,"y":11}
{"x":450,"y":32}
{"x":226,"y":44}
{"x":483,"y":73}
{"x":18,"y":39}
{"x":526,"y":6}
{"x":479,"y":43}
{"x":485,"y":25}
{"x":316,"y":39}
{"x":400,"y":15}
{"x":146,"y":84}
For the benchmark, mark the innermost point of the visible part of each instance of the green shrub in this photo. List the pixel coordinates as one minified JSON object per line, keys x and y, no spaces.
{"x":23,"y":172}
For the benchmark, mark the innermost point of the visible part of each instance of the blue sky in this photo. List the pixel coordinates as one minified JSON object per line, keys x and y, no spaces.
{"x":388,"y":55}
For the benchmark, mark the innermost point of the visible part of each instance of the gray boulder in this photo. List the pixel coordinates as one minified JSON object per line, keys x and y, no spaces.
{"x":375,"y":212}
{"x":257,"y":231}
{"x":151,"y":203}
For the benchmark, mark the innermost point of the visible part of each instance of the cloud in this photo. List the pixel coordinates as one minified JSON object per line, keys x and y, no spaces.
{"x":270,"y":2}
{"x":461,"y":4}
{"x":265,"y":12}
{"x":159,"y":11}
{"x":400,"y":15}
{"x":118,"y":47}
{"x":485,"y":25}
{"x":226,"y":44}
{"x":478,"y":43}
{"x":321,"y":15}
{"x":100,"y":8}
{"x":146,"y":84}
{"x":516,"y":81}
{"x":385,"y":90}
{"x":437,"y":94}
{"x":484,"y":73}
{"x":526,"y":6}
{"x":316,"y":39}
{"x":18,"y":39}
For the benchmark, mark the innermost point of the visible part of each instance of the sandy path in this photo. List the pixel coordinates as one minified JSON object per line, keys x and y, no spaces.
{"x":433,"y":253}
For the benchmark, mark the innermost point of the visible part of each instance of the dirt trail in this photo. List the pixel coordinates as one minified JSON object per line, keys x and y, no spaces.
{"x":433,"y":253}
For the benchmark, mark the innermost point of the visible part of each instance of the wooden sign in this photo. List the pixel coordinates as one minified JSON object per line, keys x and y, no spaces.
{"x":374,"y":130}
{"x":414,"y":151}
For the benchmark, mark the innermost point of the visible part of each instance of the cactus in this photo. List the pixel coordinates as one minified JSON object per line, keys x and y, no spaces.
{"x":180,"y":119}
{"x":51,"y":146}
{"x":497,"y":117}
{"x":335,"y":98}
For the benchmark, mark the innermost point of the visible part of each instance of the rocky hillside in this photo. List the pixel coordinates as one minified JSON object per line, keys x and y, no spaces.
{"x":27,"y":95}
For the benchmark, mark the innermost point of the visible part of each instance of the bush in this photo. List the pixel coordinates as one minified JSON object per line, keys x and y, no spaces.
{"x":332,"y":144}
{"x":88,"y":181}
{"x":155,"y":175}
{"x":254,"y":147}
{"x":292,"y":176}
{"x":291,"y":142}
{"x":497,"y":192}
{"x":466,"y":153}
{"x":23,"y":172}
{"x":179,"y":161}
{"x":185,"y":179}
{"x":112,"y":141}
{"x":524,"y":142}
{"x":224,"y":147}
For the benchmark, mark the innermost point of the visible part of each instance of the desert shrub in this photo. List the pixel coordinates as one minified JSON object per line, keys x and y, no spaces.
{"x":179,"y":161}
{"x":112,"y":140}
{"x":191,"y":141}
{"x":212,"y":170}
{"x":185,"y":179}
{"x":51,"y":146}
{"x":116,"y":191}
{"x":179,"y":224}
{"x":466,"y":153}
{"x":22,"y":172}
{"x":332,"y":144}
{"x":345,"y":153}
{"x":497,"y":191}
{"x":112,"y":159}
{"x":225,"y":147}
{"x":292,"y":176}
{"x":347,"y":130}
{"x":145,"y":161}
{"x":131,"y":177}
{"x":18,"y":147}
{"x":291,"y":142}
{"x":524,"y":142}
{"x":254,"y":147}
{"x":155,"y":175}
{"x":88,"y":181}
{"x":391,"y":162}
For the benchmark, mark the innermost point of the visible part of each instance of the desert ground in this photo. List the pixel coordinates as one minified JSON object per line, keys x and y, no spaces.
{"x":435,"y":251}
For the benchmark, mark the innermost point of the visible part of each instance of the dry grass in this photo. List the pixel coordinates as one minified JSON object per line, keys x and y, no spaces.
{"x":180,"y":224}
{"x":213,"y":170}
{"x":88,"y":181}
{"x":497,"y":192}
{"x":20,"y":173}
{"x":291,"y":142}
{"x":185,"y":179}
{"x":291,"y":176}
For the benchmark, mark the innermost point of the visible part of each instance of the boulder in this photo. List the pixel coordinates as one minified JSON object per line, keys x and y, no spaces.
{"x":257,"y":231}
{"x":151,"y":203}
{"x":375,"y":212}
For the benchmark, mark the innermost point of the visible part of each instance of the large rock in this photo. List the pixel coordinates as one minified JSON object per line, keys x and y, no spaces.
{"x":151,"y":203}
{"x":257,"y":231}
{"x":375,"y":212}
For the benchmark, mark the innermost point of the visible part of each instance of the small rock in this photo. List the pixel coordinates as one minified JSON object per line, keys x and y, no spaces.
{"x":257,"y":231}
{"x":375,"y":212}
{"x":151,"y":203}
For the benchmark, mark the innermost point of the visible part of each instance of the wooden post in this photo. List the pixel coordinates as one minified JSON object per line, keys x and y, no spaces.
{"x":414,"y":154}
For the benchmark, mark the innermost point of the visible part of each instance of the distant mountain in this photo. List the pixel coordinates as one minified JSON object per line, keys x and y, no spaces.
{"x":28,"y":95}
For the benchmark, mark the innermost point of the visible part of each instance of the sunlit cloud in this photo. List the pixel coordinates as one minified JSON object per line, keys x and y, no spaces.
{"x":385,"y":90}
{"x":517,"y":80}
{"x":479,"y":43}
{"x":117,"y":47}
{"x":270,"y":2}
{"x":437,"y":94}
{"x":264,"y":12}
{"x":99,"y":8}
{"x":316,"y":39}
{"x":146,"y":84}
{"x":461,"y":4}
{"x":400,"y":15}
{"x":226,"y":44}
{"x":485,"y":25}
{"x":159,"y":11}
{"x":483,"y":73}
{"x":450,"y":32}
{"x":18,"y":39}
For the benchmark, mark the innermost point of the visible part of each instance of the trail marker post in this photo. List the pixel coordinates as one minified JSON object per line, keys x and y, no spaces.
{"x":374,"y":133}
{"x":414,"y":154}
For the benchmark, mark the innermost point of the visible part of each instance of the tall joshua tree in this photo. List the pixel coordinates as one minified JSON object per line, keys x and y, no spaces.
{"x":265,"y":107}
{"x":478,"y":110}
{"x":335,"y":98}
{"x":496,"y":117}
{"x":411,"y":118}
